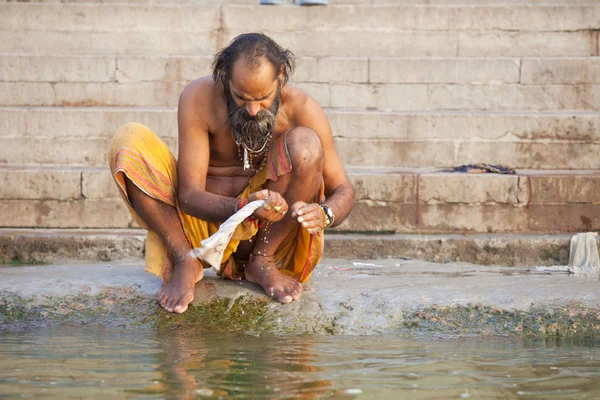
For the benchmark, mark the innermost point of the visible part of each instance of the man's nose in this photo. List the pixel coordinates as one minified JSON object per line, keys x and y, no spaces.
{"x":252,"y":108}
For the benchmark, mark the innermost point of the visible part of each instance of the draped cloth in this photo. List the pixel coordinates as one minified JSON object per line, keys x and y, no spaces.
{"x":139,"y":154}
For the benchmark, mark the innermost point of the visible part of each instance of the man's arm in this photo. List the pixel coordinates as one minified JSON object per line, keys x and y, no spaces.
{"x":194,"y":156}
{"x":339,"y":193}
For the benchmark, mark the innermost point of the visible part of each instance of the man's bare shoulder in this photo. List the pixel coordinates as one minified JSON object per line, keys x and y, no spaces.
{"x":302,"y":108}
{"x":297,"y":100}
{"x":202,"y":100}
{"x":201,"y":90}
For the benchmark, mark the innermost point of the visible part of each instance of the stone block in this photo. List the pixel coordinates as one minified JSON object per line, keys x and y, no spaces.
{"x":108,"y":42}
{"x":531,"y":155}
{"x":472,"y":97}
{"x":39,"y":184}
{"x":379,"y":216}
{"x":392,"y":153}
{"x":564,"y":218}
{"x":161,"y":68}
{"x":98,"y":184}
{"x":64,"y":151}
{"x":370,"y":124}
{"x":331,"y":69}
{"x":391,"y":17}
{"x":457,"y":188}
{"x":26,"y":93}
{"x":88,"y":122}
{"x":440,"y":70}
{"x":144,"y":94}
{"x":559,"y":97}
{"x":467,"y":125}
{"x":52,"y":68}
{"x":560,"y":70}
{"x":458,"y":125}
{"x":122,"y":18}
{"x":557,"y":189}
{"x":457,"y":218}
{"x":493,"y":126}
{"x":526,"y":44}
{"x":362,"y":44}
{"x":522,"y":17}
{"x":109,"y":213}
{"x":372,"y":96}
{"x":383,"y":186}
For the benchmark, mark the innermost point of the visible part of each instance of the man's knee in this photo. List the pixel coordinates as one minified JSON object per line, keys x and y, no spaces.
{"x":305,"y":150}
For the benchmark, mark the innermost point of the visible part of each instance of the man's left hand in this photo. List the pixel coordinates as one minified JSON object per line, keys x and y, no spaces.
{"x":309,"y":215}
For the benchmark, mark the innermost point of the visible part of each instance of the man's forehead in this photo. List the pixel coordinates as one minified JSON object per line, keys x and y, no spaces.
{"x":257,"y":69}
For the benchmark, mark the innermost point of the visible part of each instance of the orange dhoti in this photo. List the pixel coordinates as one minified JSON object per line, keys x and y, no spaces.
{"x":138,"y":153}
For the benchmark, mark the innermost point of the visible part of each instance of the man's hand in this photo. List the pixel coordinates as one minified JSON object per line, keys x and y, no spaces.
{"x":310,"y":216}
{"x":274,"y":208}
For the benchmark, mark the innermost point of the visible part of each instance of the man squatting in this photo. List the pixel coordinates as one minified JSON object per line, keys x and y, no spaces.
{"x":244,"y":135}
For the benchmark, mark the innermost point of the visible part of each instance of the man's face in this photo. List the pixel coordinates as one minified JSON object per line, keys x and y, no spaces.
{"x":253,"y":99}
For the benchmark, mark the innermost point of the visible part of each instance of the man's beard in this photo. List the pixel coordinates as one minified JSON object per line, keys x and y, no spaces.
{"x":252,"y":132}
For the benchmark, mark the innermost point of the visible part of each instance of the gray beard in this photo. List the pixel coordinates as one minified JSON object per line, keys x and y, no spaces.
{"x":252,"y":132}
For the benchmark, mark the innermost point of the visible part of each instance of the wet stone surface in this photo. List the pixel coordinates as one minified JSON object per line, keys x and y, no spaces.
{"x":343,"y":297}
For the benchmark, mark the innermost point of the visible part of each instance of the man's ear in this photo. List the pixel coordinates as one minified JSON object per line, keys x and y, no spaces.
{"x":280,"y":74}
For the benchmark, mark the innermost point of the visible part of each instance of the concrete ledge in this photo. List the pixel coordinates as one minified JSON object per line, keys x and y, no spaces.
{"x":343,"y":297}
{"x":387,"y":200}
{"x":35,"y":246}
{"x":102,"y":122}
{"x":388,"y":96}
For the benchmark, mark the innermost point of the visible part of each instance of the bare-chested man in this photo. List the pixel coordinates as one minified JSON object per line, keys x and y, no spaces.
{"x":244,"y":135}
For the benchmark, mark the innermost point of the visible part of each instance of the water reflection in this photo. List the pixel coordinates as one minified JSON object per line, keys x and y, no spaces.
{"x":195,"y":364}
{"x":190,"y":364}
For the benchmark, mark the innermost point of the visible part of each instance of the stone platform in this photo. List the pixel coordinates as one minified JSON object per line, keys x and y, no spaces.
{"x":344,"y":297}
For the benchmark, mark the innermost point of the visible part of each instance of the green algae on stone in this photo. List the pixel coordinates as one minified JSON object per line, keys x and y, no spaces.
{"x":221,"y":315}
{"x":572,"y":320}
{"x":119,"y":309}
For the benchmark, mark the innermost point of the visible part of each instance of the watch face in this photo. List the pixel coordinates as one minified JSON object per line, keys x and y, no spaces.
{"x":328,"y":212}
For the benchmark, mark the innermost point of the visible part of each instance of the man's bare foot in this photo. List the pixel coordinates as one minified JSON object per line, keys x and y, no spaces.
{"x":263,"y":271}
{"x":178,"y":293}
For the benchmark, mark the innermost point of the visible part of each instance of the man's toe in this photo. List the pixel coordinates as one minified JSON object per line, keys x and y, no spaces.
{"x":180,"y":308}
{"x":286,"y":299}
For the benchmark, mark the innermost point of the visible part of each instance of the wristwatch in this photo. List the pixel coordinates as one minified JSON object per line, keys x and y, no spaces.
{"x":329,"y":216}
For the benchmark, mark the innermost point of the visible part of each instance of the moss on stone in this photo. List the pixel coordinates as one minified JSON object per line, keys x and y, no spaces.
{"x":572,"y":320}
{"x":119,"y":309}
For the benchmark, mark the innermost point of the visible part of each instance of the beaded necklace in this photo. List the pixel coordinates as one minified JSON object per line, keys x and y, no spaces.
{"x":250,"y":156}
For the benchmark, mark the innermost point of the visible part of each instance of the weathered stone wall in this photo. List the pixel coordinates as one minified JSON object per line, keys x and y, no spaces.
{"x":410,"y":88}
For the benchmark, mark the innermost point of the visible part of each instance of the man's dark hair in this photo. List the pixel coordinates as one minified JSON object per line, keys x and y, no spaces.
{"x":253,"y":47}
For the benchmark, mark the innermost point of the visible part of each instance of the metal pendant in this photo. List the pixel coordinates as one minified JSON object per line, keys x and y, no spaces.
{"x":246,"y":161}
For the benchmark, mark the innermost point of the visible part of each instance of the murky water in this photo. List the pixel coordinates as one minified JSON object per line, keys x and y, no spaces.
{"x":98,"y":362}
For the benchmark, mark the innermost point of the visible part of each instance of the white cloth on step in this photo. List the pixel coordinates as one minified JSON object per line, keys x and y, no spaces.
{"x":583,"y":256}
{"x":213,"y":247}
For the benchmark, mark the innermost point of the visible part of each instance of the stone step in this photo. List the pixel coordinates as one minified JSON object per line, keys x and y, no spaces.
{"x":41,"y":246}
{"x":364,"y":70}
{"x":81,"y":136}
{"x":330,"y":2}
{"x":387,"y":200}
{"x":408,"y":97}
{"x":343,"y":30}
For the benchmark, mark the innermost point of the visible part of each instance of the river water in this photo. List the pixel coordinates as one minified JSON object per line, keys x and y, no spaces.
{"x":101,"y":362}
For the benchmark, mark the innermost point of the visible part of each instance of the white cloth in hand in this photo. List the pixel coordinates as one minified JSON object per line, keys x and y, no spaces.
{"x":213,"y":247}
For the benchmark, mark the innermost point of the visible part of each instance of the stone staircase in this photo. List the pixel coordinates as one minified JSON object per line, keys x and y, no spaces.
{"x":411,"y":88}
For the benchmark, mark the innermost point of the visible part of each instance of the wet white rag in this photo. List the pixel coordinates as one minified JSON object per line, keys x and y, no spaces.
{"x":213,"y":247}
{"x":583,"y":257}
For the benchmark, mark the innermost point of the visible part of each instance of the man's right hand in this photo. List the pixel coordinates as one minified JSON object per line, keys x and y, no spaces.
{"x":274,"y":208}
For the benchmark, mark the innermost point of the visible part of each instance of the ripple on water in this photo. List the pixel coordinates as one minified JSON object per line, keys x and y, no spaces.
{"x":142,"y":363}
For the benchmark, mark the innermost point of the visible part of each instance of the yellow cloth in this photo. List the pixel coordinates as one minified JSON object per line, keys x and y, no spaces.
{"x":138,"y":153}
